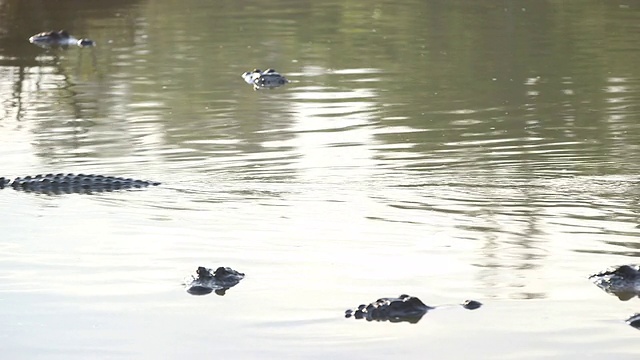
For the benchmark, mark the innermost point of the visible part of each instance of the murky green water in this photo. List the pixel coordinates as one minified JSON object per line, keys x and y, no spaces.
{"x":444,"y":149}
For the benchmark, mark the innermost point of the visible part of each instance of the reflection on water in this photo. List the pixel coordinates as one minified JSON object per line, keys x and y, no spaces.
{"x":449,"y":150}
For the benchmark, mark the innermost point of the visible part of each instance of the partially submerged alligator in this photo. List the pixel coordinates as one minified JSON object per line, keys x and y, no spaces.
{"x":219,"y":281}
{"x":72,"y":183}
{"x":62,"y":38}
{"x":623,"y":281}
{"x":403,"y":308}
{"x":634,"y":320}
{"x":268,"y":79}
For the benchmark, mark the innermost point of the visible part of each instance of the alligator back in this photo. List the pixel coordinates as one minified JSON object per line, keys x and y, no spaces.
{"x":72,"y":183}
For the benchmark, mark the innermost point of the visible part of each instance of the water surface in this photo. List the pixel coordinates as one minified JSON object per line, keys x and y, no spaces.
{"x":448,"y":150}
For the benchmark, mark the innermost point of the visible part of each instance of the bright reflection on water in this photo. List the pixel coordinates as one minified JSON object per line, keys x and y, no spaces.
{"x":448,"y":150}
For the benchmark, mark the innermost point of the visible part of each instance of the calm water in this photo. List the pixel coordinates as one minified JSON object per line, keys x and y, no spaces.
{"x":445,"y":149}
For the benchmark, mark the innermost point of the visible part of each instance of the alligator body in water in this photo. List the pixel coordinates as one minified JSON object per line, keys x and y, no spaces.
{"x":60,"y":38}
{"x":268,"y":79}
{"x":219,"y":281}
{"x":623,"y":281}
{"x":71,"y":183}
{"x":403,"y":308}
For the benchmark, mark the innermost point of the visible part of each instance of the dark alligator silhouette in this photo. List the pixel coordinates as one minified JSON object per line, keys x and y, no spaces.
{"x":622,"y":281}
{"x":61,"y":38}
{"x":403,"y":308}
{"x":219,"y":281}
{"x":634,"y":320}
{"x":268,"y":79}
{"x":54,"y":184}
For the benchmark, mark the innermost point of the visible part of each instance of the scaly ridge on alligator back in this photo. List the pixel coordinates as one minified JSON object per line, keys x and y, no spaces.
{"x":403,"y":308}
{"x":72,"y":183}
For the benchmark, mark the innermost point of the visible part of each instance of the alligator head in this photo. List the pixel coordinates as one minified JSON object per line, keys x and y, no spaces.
{"x":622,"y":281}
{"x":60,"y":38}
{"x":219,"y":281}
{"x":268,"y":79}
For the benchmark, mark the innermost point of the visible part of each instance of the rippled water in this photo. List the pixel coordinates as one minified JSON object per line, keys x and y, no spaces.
{"x":448,"y":150}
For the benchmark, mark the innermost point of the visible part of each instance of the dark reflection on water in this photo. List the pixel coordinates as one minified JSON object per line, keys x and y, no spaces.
{"x":445,"y":149}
